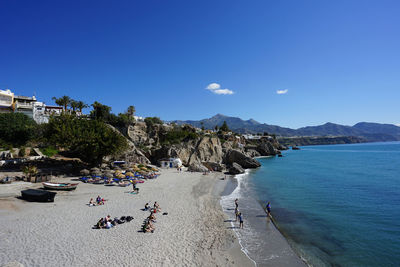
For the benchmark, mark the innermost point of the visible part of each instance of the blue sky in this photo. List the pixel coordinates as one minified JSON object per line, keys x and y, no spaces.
{"x":338,"y":60}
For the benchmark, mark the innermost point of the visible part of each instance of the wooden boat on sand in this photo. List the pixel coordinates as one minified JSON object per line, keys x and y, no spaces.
{"x":54,"y":186}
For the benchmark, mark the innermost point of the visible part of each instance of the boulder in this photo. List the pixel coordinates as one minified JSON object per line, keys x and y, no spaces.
{"x":138,"y":133}
{"x":197,"y":167}
{"x":207,"y":149}
{"x":235,"y":156}
{"x":84,"y":172}
{"x":266,"y":149}
{"x":214,"y":166}
{"x":235,"y":169}
{"x":252,"y":153}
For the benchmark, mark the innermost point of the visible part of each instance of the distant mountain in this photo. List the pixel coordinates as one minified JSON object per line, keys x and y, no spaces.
{"x":368,"y":131}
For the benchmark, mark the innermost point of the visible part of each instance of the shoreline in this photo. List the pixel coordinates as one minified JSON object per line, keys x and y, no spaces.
{"x":193,"y":233}
{"x":282,"y":254}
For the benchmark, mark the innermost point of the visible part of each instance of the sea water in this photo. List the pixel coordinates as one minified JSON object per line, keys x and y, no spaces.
{"x":337,"y":205}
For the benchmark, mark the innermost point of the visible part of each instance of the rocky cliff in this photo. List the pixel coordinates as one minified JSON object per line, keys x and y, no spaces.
{"x":198,"y":150}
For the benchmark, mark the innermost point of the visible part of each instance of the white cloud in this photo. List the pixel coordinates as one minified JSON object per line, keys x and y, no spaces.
{"x":282,"y":92}
{"x":216,"y":89}
{"x":223,"y":92}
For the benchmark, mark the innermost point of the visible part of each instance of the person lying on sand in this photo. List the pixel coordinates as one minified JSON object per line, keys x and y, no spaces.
{"x":92,"y":203}
{"x":101,"y":223}
{"x":150,"y":227}
{"x":152,"y":217}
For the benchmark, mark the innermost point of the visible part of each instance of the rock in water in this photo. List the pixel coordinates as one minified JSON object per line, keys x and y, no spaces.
{"x":235,"y":169}
{"x":266,"y":149}
{"x":235,"y":156}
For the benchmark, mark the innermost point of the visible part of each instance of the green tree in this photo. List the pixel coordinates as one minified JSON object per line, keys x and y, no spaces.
{"x":90,"y":140}
{"x":74,"y":105}
{"x":63,"y":101}
{"x":81,"y":105}
{"x":224,"y":127}
{"x":202,"y":125}
{"x":16,"y":128}
{"x":131,"y":111}
{"x":100,"y":111}
{"x":30,"y":171}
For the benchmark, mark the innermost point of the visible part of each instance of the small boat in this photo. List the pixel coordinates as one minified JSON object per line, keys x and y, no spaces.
{"x":38,"y":195}
{"x":295,"y":148}
{"x":54,"y":186}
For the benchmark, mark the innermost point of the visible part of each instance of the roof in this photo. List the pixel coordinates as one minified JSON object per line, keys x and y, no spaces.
{"x":53,"y":107}
{"x":25,"y":97}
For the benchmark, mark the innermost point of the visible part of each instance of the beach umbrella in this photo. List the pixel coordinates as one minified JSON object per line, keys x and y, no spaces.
{"x":129,"y":174}
{"x":108,"y":174}
{"x":84,"y":172}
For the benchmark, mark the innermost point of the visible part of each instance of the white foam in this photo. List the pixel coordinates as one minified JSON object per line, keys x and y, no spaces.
{"x":226,"y":202}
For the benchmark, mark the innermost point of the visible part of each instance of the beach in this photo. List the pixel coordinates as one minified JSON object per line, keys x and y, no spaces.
{"x":194,"y":233}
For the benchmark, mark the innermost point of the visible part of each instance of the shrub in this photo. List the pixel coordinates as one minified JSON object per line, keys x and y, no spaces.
{"x":49,"y":151}
{"x":90,"y":140}
{"x":16,"y":128}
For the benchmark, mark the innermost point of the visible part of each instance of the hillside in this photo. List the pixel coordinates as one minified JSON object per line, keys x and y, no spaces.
{"x":368,"y":131}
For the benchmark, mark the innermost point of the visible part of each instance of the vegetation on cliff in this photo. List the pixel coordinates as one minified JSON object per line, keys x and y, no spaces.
{"x":89,"y":140}
{"x":16,"y":129}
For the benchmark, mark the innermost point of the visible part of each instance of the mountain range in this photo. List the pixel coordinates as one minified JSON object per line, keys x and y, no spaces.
{"x":367,"y":130}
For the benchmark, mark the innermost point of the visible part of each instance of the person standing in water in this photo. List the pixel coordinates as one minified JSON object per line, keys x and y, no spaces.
{"x":240,"y":220}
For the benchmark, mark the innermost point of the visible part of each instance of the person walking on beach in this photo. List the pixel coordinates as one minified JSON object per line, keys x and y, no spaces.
{"x":240,"y":220}
{"x":236,"y":214}
{"x":236,"y":203}
{"x":268,"y":208}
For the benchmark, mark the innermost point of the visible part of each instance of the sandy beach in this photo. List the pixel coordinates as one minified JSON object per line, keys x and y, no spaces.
{"x":194,"y":233}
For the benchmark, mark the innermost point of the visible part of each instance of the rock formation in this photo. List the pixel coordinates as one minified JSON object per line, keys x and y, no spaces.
{"x":235,"y":156}
{"x":235,"y":169}
{"x":198,"y":151}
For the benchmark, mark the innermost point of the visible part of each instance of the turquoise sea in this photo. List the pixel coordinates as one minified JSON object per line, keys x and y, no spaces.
{"x":337,"y":205}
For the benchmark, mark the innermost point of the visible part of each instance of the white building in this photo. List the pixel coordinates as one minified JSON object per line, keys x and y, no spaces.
{"x":138,"y":118}
{"x":27,"y":105}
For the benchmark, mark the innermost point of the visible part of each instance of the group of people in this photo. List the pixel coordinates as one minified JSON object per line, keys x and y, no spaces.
{"x":107,"y":222}
{"x":99,"y":201}
{"x":148,"y":225}
{"x":239,"y":216}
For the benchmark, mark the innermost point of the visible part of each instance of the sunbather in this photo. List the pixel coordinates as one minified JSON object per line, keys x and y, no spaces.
{"x":152,"y":217}
{"x":92,"y":203}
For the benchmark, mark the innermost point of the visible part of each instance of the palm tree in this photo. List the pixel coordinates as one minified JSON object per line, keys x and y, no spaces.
{"x":63,"y":101}
{"x":81,"y":105}
{"x":131,"y":111}
{"x":74,"y":105}
{"x":30,"y":170}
